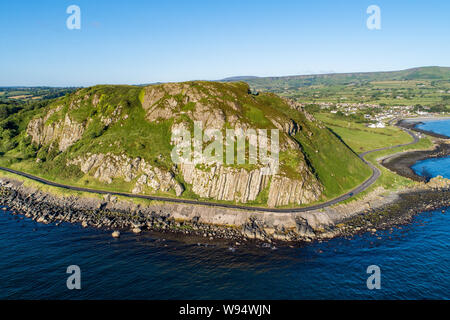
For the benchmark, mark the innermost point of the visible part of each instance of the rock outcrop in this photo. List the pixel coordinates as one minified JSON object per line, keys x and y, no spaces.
{"x":200,"y":104}
{"x":225,"y":183}
{"x":438,"y":182}
{"x":231,"y":184}
{"x":62,"y":132}
{"x":284,"y":191}
{"x":106,"y":167}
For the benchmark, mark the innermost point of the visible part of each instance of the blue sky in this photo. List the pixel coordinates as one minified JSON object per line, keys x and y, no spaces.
{"x":137,"y":42}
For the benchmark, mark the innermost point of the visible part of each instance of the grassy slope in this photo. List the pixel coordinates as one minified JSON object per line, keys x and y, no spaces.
{"x":361,"y":138}
{"x":389,"y":180}
{"x":30,"y":94}
{"x":336,"y":166}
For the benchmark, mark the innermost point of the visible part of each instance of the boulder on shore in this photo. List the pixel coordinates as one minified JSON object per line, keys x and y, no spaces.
{"x":116,"y":234}
{"x":136,"y":230}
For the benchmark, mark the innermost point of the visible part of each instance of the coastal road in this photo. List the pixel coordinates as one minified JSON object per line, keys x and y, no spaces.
{"x":366,"y":184}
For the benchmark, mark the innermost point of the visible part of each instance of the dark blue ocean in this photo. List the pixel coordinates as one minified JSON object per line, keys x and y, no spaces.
{"x":414,"y":262}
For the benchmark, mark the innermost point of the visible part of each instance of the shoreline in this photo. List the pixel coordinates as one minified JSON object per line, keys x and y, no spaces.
{"x":374,"y":212}
{"x":412,"y":123}
{"x":402,"y":163}
{"x":399,"y":212}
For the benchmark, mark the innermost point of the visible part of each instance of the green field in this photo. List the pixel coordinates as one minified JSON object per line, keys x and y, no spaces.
{"x":429,"y":86}
{"x":427,"y":93}
{"x":361,"y":138}
{"x":29,"y":94}
{"x":389,"y":180}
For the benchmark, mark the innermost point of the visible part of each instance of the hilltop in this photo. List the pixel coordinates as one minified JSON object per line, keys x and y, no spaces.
{"x":119,"y":138}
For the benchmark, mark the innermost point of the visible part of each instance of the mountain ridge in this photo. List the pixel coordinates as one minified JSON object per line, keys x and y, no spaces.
{"x":396,"y":72}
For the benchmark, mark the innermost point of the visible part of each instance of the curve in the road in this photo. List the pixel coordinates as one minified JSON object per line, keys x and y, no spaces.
{"x":375,"y":174}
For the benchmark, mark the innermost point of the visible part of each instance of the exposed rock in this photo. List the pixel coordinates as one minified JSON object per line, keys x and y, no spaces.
{"x":65,"y":133}
{"x":116,"y":234}
{"x":137,"y":230}
{"x":161,"y":105}
{"x":224,"y":183}
{"x":438,"y":183}
{"x":107,"y":167}
{"x":114,"y":117}
{"x":230,"y":184}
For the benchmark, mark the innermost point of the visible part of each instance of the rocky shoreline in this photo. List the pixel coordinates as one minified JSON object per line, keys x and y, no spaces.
{"x":267,"y":229}
{"x":412,"y":125}
{"x":398,"y":213}
{"x":45,"y":208}
{"x":403,"y":162}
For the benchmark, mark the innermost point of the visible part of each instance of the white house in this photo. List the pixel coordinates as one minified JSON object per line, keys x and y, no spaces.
{"x":377,"y":125}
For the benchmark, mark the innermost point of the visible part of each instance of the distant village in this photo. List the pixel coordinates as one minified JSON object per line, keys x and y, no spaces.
{"x":376,"y":115}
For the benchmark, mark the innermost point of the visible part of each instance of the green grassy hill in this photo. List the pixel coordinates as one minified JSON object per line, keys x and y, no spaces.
{"x":110,"y":137}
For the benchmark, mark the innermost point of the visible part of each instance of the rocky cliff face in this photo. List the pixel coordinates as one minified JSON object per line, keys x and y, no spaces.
{"x":219,"y":182}
{"x":239,"y":185}
{"x":62,"y":132}
{"x":106,"y":167}
{"x":215,"y":107}
{"x":166,"y":101}
{"x":224,"y":183}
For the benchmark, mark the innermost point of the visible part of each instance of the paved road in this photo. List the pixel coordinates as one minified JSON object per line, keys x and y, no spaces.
{"x":375,"y":174}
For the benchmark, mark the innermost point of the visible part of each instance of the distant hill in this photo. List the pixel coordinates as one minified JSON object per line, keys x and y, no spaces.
{"x":280,"y":83}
